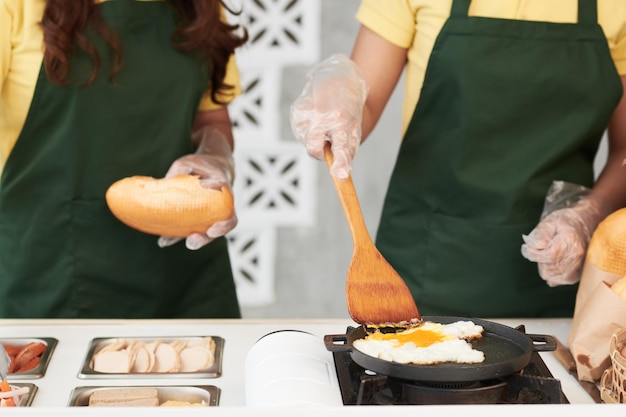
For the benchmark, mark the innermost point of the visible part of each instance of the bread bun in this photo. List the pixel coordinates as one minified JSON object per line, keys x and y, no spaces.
{"x":607,"y":248}
{"x":619,"y":287}
{"x":173,"y":207}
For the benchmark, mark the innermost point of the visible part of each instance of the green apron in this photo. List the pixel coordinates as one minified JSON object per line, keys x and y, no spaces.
{"x":506,"y":107}
{"x":62,"y":253}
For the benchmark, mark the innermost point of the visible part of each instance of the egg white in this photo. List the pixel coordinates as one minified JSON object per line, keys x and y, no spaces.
{"x":455,"y":348}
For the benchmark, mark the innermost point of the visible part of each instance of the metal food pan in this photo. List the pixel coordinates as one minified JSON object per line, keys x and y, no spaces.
{"x":214,"y":371}
{"x":207,"y":395}
{"x":26,"y":400}
{"x":40,"y":370}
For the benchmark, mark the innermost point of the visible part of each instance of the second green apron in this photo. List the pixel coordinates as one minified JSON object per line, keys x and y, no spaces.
{"x":506,"y":107}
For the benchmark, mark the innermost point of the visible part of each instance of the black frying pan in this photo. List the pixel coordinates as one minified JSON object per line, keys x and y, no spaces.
{"x":507,"y":351}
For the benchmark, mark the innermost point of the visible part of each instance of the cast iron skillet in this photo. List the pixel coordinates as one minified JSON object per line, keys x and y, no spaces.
{"x":507,"y":351}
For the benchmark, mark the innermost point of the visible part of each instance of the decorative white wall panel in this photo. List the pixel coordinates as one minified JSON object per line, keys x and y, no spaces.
{"x":252,"y":251}
{"x":281,"y":31}
{"x":274,"y":180}
{"x":255,"y":114}
{"x":274,"y":185}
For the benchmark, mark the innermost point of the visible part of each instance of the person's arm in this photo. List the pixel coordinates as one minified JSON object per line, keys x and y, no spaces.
{"x":6,"y":24}
{"x":380,"y":64}
{"x":218,"y":119}
{"x":213,"y":163}
{"x":218,"y":145}
{"x":343,"y":99}
{"x":610,"y":188}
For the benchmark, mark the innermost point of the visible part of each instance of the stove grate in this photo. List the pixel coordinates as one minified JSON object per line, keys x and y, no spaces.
{"x":534,"y":384}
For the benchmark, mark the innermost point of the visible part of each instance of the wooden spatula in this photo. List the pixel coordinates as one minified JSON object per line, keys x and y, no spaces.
{"x":375,"y":293}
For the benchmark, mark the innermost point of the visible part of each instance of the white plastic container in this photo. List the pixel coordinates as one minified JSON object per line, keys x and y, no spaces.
{"x":291,"y":368}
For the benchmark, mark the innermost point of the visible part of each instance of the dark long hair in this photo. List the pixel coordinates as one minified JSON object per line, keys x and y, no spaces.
{"x":202,"y":29}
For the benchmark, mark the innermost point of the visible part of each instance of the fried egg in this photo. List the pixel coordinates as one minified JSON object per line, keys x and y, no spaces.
{"x":427,"y":344}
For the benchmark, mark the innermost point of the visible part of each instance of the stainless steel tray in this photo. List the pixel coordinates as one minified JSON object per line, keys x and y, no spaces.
{"x":214,"y":371}
{"x":40,"y":370}
{"x":26,"y":400}
{"x":208,"y":395}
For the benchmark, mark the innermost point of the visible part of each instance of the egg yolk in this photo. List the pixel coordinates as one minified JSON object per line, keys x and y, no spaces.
{"x":418,"y":336}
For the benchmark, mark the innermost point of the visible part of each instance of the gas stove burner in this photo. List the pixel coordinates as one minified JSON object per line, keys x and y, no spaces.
{"x":450,"y":385}
{"x":532,"y":385}
{"x":478,"y":392}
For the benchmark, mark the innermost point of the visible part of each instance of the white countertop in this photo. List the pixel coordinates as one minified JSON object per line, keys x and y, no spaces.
{"x":74,"y":337}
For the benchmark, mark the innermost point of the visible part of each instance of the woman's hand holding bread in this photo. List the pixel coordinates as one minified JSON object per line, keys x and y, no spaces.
{"x":213,"y":164}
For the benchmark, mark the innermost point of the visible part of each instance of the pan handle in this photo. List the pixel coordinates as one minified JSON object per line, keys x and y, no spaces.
{"x":337,"y":342}
{"x":543,"y":342}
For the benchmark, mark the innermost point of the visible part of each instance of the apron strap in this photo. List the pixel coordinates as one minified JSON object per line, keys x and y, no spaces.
{"x":460,"y":8}
{"x":588,"y":11}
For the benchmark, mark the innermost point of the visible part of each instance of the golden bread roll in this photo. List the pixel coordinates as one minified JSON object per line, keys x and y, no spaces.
{"x":619,"y":287}
{"x":173,"y":207}
{"x":607,"y":248}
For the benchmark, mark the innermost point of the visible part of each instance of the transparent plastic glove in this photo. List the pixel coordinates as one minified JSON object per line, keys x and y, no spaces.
{"x":559,"y":242}
{"x":213,"y":162}
{"x":330,"y":109}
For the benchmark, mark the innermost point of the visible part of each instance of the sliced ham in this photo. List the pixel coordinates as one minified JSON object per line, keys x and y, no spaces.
{"x":112,"y":362}
{"x":166,"y":359}
{"x":116,"y":344}
{"x":144,"y":359}
{"x":195,"y":358}
{"x":155,"y":356}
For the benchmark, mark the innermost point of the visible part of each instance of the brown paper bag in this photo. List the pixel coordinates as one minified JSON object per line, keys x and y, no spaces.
{"x":598,"y":314}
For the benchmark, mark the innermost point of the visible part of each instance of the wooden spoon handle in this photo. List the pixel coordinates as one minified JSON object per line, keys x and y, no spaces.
{"x":350,"y":203}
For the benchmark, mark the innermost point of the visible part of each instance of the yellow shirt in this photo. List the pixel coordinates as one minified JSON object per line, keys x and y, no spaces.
{"x":415,"y":24}
{"x":21,"y":56}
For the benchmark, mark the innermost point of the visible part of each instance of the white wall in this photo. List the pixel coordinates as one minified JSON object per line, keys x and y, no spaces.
{"x":311,"y":262}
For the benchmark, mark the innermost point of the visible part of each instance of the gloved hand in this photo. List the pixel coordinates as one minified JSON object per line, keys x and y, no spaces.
{"x":330,"y":109}
{"x":559,"y":242}
{"x":213,"y":163}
